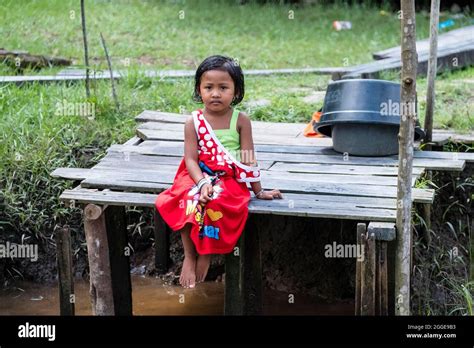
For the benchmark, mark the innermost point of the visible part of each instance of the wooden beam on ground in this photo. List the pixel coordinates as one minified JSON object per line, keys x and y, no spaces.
{"x":450,"y":38}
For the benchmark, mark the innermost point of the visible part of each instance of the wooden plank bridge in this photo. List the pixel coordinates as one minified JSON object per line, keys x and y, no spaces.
{"x":316,"y":182}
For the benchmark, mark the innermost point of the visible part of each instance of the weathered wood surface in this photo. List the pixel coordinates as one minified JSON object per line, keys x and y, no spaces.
{"x":428,"y":163}
{"x":327,"y":206}
{"x":451,"y":38}
{"x":72,"y":75}
{"x":302,"y":173}
{"x":440,"y":137}
{"x":176,"y":147}
{"x":22,"y":60}
{"x":368,"y":276}
{"x":65,"y":273}
{"x":463,"y":53}
{"x":101,"y":289}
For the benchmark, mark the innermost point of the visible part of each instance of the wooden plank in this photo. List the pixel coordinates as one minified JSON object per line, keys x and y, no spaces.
{"x":368,"y":277}
{"x":292,"y":199}
{"x":146,"y":158}
{"x":70,"y":173}
{"x":166,"y":173}
{"x":451,"y":38}
{"x":382,"y":231}
{"x":135,"y":184}
{"x":463,"y":53}
{"x":258,"y":138}
{"x":356,"y":208}
{"x":65,"y":274}
{"x":339,"y":169}
{"x":176,"y":148}
{"x":441,"y":137}
{"x":432,"y":164}
{"x":133,"y":141}
{"x":283,"y":128}
{"x":319,"y":150}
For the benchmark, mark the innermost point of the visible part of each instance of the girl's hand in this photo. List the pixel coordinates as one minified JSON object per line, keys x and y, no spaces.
{"x":270,"y":195}
{"x":206,"y":193}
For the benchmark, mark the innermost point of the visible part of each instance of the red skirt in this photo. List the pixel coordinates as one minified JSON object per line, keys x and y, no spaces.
{"x":215,"y":227}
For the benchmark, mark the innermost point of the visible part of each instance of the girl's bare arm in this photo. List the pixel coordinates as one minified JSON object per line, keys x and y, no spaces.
{"x":191,"y":159}
{"x":248,"y":155}
{"x":191,"y":151}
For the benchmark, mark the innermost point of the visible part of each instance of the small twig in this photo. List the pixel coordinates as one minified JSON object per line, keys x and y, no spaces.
{"x":86,"y":53}
{"x":112,"y":81}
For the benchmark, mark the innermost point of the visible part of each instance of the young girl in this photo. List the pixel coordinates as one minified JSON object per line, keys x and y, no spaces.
{"x":208,"y":201}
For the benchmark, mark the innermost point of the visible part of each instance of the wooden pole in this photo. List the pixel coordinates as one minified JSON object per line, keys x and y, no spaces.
{"x":101,"y":288}
{"x":430,"y":102}
{"x":112,"y":81}
{"x":65,"y":274}
{"x":405,"y":157}
{"x":432,"y":66}
{"x":361,"y":234}
{"x":86,"y":51}
{"x":162,"y":243}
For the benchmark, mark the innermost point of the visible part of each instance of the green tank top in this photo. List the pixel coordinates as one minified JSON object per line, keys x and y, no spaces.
{"x":230,"y":138}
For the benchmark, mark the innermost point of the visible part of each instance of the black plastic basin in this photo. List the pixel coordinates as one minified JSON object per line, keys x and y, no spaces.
{"x":363,"y":117}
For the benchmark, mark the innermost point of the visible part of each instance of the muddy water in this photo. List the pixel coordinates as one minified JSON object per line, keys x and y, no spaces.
{"x":151,"y":296}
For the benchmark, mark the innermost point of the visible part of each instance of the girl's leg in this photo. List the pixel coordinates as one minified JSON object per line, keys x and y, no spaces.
{"x":202,"y":266}
{"x":187,"y":278}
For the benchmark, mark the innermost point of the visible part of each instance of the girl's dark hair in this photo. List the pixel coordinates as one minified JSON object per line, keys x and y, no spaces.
{"x":225,"y":64}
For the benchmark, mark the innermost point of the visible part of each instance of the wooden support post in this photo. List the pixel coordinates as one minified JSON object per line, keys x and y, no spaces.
{"x":251,"y":269}
{"x":361,"y":235}
{"x":110,"y":285}
{"x":162,"y":243}
{"x":426,"y":214}
{"x":65,"y":274}
{"x":367,"y":293}
{"x":232,"y":294}
{"x":99,"y":264}
{"x":382,"y":278}
{"x":119,"y":253}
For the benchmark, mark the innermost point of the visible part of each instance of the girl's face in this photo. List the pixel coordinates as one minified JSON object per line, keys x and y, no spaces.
{"x":216,"y":90}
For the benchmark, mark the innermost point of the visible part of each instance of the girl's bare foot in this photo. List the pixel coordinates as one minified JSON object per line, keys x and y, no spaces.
{"x":202,"y":266}
{"x":187,"y":278}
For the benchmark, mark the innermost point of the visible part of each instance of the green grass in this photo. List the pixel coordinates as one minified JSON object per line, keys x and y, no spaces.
{"x":34,"y":139}
{"x":155,"y":33}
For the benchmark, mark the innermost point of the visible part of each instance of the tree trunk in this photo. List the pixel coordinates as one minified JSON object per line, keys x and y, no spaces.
{"x":405,"y":162}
